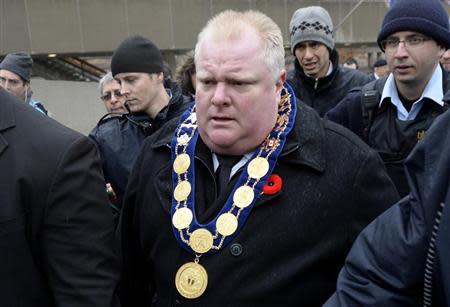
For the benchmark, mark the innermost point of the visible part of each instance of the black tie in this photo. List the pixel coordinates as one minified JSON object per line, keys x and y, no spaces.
{"x":223,"y":172}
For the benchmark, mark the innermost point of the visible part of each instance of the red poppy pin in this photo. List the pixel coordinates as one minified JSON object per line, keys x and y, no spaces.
{"x":273,"y":185}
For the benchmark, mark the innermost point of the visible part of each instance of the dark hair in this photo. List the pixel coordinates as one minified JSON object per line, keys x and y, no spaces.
{"x":351,"y":61}
{"x":184,"y":72}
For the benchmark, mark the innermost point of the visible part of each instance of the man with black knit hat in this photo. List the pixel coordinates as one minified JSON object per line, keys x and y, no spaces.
{"x":398,"y":109}
{"x":137,"y":64}
{"x":15,"y":75}
{"x":317,"y":79}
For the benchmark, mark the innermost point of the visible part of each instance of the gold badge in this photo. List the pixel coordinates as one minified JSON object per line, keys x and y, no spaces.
{"x":226,"y":224}
{"x":182,"y":218}
{"x":181,"y":163}
{"x":191,"y":280}
{"x":201,"y":241}
{"x":258,"y":167}
{"x":243,"y":196}
{"x":182,"y":190}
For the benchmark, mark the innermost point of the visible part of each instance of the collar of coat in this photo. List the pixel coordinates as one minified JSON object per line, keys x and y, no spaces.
{"x":304,"y":145}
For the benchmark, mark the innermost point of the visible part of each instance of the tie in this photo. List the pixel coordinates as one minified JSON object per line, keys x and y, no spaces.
{"x":223,"y":172}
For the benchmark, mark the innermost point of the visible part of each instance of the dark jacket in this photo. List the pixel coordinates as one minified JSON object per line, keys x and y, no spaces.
{"x":119,"y":139}
{"x":290,"y":249}
{"x":405,"y":252}
{"x":325,"y":93}
{"x":56,"y":229}
{"x":392,"y":138}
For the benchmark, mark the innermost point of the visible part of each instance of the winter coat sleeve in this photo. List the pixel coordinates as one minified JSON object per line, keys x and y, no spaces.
{"x":77,"y":240}
{"x":135,"y":284}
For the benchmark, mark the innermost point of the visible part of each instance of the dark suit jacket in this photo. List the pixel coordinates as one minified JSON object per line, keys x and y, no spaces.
{"x":56,"y":229}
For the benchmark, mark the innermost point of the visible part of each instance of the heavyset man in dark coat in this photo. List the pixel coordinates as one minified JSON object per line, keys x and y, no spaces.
{"x":317,"y":79}
{"x":297,"y":191}
{"x":392,"y":114}
{"x":56,"y":229}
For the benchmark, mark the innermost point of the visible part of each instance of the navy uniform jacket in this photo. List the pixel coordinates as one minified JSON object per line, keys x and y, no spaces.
{"x":56,"y":229}
{"x":410,"y":243}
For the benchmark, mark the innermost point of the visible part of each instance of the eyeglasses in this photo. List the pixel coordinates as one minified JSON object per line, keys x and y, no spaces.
{"x":108,"y":95}
{"x":411,"y":42}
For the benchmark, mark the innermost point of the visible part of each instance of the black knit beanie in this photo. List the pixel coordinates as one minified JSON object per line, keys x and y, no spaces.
{"x":19,"y":63}
{"x":137,"y":54}
{"x":424,"y":16}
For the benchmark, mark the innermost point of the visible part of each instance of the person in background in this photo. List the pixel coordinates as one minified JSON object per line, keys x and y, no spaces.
{"x":15,"y":77}
{"x":185,"y":75}
{"x":111,"y":96}
{"x":402,"y":258}
{"x":445,"y":60}
{"x":351,"y":63}
{"x":150,"y":99}
{"x":318,"y":80}
{"x":380,"y":69}
{"x":248,"y":199}
{"x":57,"y":243}
{"x":393,"y":113}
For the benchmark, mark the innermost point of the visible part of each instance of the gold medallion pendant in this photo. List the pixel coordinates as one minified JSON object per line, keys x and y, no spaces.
{"x":201,"y":241}
{"x":191,"y":280}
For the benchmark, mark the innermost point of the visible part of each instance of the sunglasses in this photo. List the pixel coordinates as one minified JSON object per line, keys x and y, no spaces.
{"x":108,"y":95}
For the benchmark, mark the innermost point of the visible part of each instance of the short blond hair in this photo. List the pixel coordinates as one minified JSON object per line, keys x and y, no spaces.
{"x":230,"y":25}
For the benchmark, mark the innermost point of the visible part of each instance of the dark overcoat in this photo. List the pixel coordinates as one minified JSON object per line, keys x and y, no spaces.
{"x":56,"y":229}
{"x":402,"y":258}
{"x":294,"y":241}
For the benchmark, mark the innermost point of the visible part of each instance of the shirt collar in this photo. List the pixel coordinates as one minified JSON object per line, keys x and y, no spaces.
{"x":433,"y":90}
{"x":235,"y":167}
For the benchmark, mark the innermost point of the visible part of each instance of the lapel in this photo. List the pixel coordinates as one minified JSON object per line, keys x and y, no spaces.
{"x":7,"y":117}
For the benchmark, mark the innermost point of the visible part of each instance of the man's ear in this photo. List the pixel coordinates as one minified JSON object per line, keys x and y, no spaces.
{"x":280,"y":80}
{"x":160,"y":77}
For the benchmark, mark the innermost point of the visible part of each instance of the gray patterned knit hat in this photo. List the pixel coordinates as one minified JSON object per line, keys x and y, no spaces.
{"x":311,"y":23}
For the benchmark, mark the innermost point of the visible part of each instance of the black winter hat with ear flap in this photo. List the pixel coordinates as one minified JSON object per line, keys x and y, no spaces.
{"x":137,"y":54}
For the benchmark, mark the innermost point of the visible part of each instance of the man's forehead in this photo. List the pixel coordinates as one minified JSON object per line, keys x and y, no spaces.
{"x":129,"y":74}
{"x":401,"y":34}
{"x":9,"y":74}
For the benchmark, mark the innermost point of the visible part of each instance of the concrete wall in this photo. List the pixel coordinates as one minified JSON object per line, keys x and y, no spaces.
{"x":74,"y":104}
{"x":98,"y":26}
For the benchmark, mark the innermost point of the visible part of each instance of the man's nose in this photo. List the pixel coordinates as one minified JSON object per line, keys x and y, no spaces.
{"x":401,"y":50}
{"x":220,"y":94}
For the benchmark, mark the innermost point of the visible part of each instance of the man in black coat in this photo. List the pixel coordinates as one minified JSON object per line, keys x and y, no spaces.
{"x":245,"y":200}
{"x":402,"y":258}
{"x":317,"y":79}
{"x":137,"y":64}
{"x":56,"y":229}
{"x":393,"y":113}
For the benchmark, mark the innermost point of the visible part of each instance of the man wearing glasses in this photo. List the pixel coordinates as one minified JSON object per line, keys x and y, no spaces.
{"x":111,"y":96}
{"x":398,"y":109}
{"x":148,"y":102}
